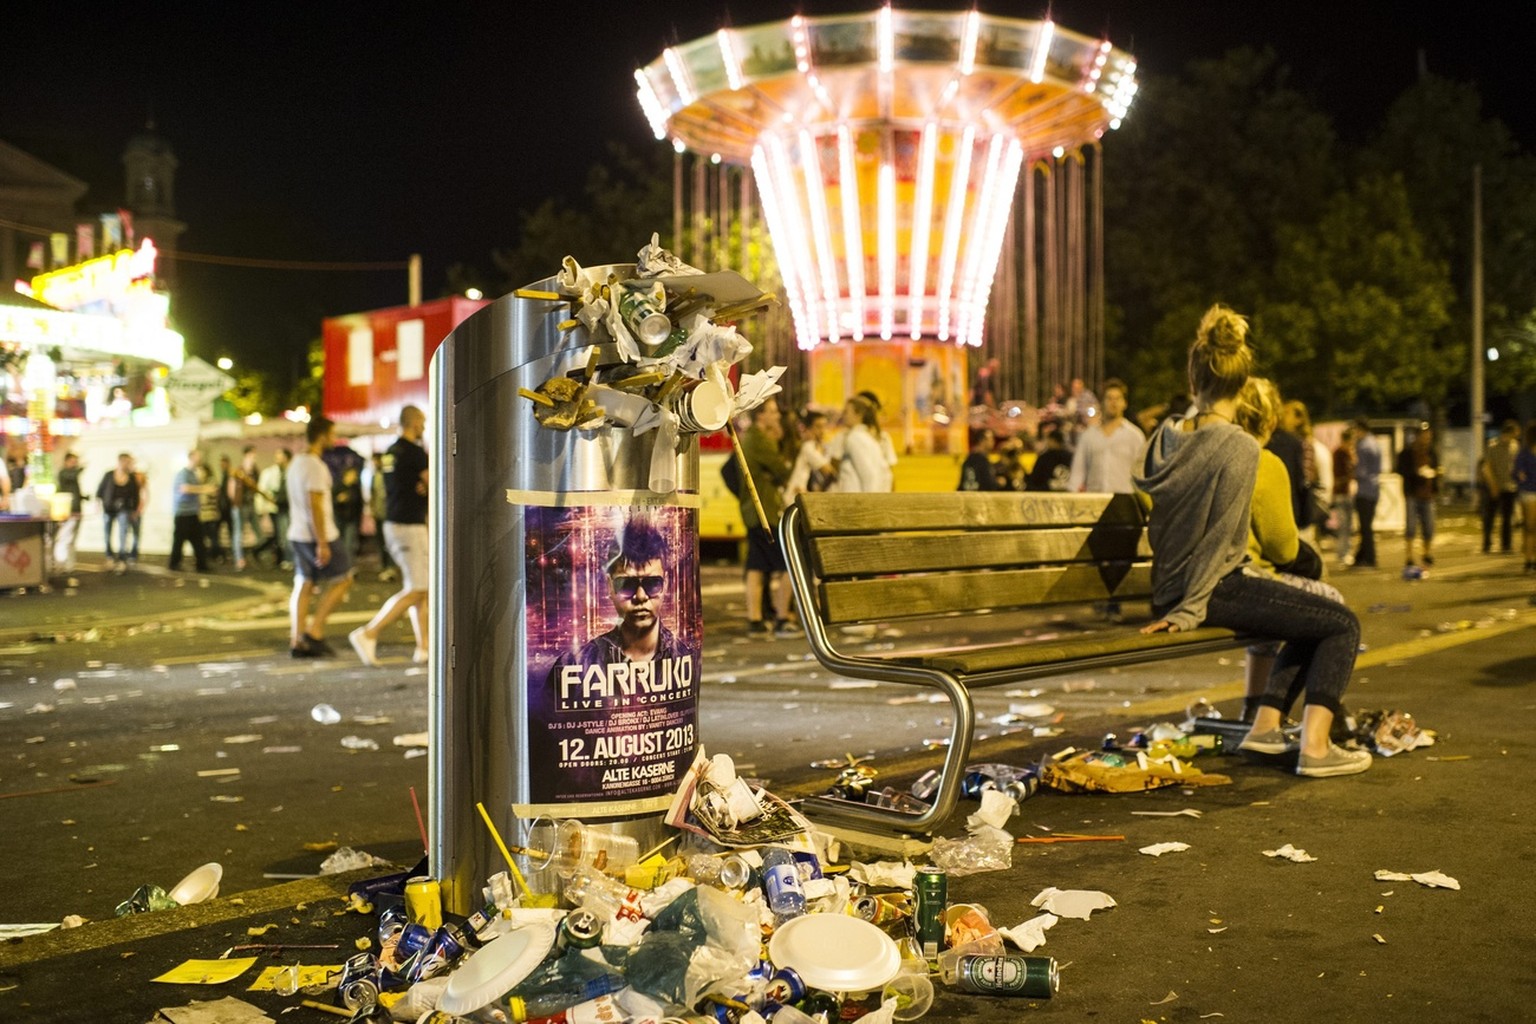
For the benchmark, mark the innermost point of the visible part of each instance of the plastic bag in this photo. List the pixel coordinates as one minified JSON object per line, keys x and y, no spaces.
{"x":987,"y":849}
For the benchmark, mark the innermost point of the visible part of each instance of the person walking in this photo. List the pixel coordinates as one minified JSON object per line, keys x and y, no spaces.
{"x":119,"y":495}
{"x":1200,"y":473}
{"x":378,"y":502}
{"x":769,"y":471}
{"x":1497,"y":478}
{"x":1525,"y":483}
{"x":1367,"y":492}
{"x":1419,"y":467}
{"x":68,"y":534}
{"x":322,"y":566}
{"x":190,"y":493}
{"x":1344,"y":493}
{"x":1107,"y":449}
{"x":404,"y":533}
{"x":241,"y":488}
{"x":272,"y":503}
{"x":346,"y":467}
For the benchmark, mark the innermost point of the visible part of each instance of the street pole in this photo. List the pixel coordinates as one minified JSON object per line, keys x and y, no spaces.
{"x":1477,"y":321}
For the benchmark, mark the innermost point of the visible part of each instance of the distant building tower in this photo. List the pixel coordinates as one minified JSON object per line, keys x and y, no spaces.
{"x":149,"y":193}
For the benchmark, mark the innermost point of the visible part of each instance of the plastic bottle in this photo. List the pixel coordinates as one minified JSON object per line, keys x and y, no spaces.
{"x":548,"y":1003}
{"x":781,"y":883}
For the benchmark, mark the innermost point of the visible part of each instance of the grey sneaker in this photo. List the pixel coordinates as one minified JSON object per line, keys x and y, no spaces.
{"x":1337,"y":761}
{"x":1274,"y":741}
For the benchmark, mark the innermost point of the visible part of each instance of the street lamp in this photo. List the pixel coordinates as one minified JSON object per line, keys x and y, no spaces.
{"x":226,"y":363}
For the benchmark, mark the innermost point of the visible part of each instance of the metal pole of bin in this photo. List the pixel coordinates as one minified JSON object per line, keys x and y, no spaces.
{"x":497,"y":473}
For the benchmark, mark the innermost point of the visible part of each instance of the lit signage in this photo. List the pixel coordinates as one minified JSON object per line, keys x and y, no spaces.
{"x":38,"y":328}
{"x":106,"y":279}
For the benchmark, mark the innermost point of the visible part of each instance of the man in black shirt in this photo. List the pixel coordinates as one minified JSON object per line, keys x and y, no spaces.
{"x":404,"y":468}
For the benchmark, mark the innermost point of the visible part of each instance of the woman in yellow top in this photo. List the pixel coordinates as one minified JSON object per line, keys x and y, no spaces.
{"x":1274,"y":543}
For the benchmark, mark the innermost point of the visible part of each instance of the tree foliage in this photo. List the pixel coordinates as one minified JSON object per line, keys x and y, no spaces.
{"x":624,"y":200}
{"x":1357,"y":307}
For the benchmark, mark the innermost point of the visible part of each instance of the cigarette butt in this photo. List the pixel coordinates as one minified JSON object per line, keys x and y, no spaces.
{"x":534,"y":396}
{"x":530,"y":293}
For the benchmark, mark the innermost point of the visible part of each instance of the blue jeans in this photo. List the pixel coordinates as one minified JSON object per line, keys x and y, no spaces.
{"x":1321,"y":637}
{"x":121,"y":521}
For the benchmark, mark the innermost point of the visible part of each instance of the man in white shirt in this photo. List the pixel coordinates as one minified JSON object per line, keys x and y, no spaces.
{"x":320,"y":564}
{"x":1107,"y":450}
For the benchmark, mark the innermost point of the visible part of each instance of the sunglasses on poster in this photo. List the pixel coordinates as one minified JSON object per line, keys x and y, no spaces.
{"x":628,"y":586}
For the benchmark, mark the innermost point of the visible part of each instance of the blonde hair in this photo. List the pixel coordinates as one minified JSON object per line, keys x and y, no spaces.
{"x":1258,"y":407}
{"x":1220,"y":359}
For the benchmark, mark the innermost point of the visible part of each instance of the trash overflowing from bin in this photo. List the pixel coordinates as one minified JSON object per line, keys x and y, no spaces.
{"x":744,"y":914}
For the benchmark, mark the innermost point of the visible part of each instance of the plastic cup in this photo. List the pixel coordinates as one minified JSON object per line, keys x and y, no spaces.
{"x":912,"y":989}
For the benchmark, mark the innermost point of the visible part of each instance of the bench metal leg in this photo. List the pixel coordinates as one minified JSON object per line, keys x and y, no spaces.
{"x":944,"y":799}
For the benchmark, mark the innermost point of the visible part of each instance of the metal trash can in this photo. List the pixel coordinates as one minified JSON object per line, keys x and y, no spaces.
{"x":545,"y":546}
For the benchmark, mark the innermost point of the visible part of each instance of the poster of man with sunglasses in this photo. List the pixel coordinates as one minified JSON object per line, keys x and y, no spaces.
{"x":614,"y":715}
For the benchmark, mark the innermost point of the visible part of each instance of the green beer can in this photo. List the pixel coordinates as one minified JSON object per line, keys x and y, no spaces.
{"x":1033,"y":977}
{"x":930,"y":887}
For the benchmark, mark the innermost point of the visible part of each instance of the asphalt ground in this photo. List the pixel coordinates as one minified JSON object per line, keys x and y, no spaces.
{"x":1217,"y":929}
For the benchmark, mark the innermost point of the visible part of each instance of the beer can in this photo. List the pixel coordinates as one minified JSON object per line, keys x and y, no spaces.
{"x":424,"y":902}
{"x":359,"y":985}
{"x":785,"y":987}
{"x":930,"y":886}
{"x":441,"y":951}
{"x":884,"y":909}
{"x":580,"y":929}
{"x":413,"y":937}
{"x":1033,"y":977}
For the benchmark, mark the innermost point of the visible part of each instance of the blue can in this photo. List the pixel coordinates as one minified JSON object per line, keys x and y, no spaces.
{"x":359,"y":985}
{"x":441,"y":952}
{"x":785,"y":987}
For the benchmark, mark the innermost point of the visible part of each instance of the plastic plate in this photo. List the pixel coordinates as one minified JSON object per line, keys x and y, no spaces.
{"x":496,"y":967}
{"x":835,"y":952}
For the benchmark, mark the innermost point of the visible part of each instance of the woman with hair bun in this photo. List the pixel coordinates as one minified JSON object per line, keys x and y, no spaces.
{"x":1200,"y":473}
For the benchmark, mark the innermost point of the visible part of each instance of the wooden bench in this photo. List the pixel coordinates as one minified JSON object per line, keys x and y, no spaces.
{"x":865,"y":559}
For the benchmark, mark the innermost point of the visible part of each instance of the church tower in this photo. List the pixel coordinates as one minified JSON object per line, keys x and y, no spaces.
{"x":150,"y":195}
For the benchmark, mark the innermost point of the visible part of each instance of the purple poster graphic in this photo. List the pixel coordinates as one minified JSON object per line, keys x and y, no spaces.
{"x":614,"y":632}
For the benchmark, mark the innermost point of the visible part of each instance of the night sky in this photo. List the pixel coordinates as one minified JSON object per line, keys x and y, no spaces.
{"x":340,"y":131}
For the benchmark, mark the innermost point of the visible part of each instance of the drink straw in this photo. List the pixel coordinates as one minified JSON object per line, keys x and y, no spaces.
{"x":648,"y":854}
{"x":419,"y":823}
{"x":517,"y":875}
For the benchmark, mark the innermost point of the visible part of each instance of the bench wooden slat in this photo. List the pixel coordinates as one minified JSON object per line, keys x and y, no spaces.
{"x":1062,"y":653}
{"x":865,"y":555}
{"x":848,"y":601}
{"x":864,"y":513}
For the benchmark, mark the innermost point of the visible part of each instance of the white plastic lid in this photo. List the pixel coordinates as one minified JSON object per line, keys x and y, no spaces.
{"x":496,"y":968}
{"x":835,"y":952}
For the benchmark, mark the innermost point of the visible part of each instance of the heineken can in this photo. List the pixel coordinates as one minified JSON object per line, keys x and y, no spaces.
{"x":580,"y":929}
{"x":1033,"y":977}
{"x":930,"y":886}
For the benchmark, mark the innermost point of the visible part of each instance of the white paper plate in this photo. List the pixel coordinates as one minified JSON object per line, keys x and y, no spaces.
{"x":496,"y":967}
{"x":835,"y":952}
{"x":200,"y":885}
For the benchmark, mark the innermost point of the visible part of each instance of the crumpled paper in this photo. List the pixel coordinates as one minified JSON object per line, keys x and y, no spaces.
{"x":996,"y":808}
{"x":1030,"y":935}
{"x":1432,"y":879}
{"x":1078,"y":903}
{"x":1158,"y":849}
{"x":884,"y":873}
{"x":756,"y":388}
{"x":1291,"y":853}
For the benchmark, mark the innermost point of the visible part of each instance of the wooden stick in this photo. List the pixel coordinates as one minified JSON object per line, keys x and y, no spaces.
{"x":532,"y":293}
{"x":534,"y":396}
{"x":746,"y":477}
{"x":419,"y":823}
{"x":1069,"y":839}
{"x":325,"y":1007}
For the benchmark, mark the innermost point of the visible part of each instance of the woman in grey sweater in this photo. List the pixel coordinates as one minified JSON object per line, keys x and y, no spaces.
{"x":1199,"y":472}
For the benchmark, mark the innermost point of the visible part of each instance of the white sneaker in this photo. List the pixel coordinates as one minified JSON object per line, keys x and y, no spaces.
{"x":365,"y":646}
{"x":420,"y":656}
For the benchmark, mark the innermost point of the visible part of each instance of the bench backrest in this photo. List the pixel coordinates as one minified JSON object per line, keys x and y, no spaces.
{"x":885,"y":556}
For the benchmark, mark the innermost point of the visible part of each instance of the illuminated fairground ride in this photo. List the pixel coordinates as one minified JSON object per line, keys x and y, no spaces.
{"x":886,"y":149}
